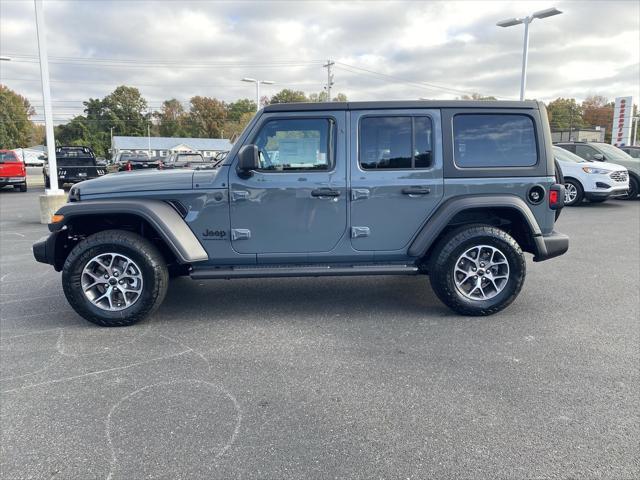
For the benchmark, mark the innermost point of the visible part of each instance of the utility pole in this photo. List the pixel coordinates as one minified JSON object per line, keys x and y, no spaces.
{"x":328,"y":66}
{"x":149,"y":139}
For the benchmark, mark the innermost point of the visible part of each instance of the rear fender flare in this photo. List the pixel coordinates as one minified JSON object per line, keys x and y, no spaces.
{"x":448,"y":210}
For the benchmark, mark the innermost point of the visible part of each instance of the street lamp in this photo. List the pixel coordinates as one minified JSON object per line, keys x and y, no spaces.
{"x":510,"y":22}
{"x":258,"y":82}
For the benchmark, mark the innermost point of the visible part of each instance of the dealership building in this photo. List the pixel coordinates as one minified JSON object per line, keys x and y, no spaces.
{"x":164,"y":146}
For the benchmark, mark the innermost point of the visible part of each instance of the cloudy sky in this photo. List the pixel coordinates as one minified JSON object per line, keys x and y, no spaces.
{"x":382,"y":50}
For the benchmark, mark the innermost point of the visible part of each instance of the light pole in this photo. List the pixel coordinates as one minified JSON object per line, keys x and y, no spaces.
{"x":510,"y":22}
{"x":46,"y":96}
{"x":258,"y":82}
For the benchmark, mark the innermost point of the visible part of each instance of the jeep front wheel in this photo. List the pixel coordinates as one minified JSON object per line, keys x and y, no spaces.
{"x":115,"y":278}
{"x":477,"y":270}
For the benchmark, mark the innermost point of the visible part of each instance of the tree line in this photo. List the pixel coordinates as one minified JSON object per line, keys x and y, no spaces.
{"x":126,"y":112}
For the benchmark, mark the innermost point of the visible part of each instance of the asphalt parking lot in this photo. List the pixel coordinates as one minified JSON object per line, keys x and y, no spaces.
{"x":328,"y":378}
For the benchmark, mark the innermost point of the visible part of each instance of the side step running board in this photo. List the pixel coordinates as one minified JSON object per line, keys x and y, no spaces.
{"x":303,"y":271}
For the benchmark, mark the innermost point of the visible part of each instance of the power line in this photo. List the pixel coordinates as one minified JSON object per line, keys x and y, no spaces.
{"x":116,"y":82}
{"x":420,"y":84}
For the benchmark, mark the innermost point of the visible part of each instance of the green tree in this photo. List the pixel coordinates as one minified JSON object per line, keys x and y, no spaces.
{"x":207,"y":117}
{"x":289,"y":96}
{"x":172,"y":119}
{"x":232,"y":129}
{"x":127,"y":109}
{"x":564,"y":114}
{"x":322,"y":97}
{"x":477,"y":96}
{"x":16,"y":128}
{"x":235,"y":110}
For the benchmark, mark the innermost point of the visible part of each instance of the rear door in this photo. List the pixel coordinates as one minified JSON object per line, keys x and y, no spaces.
{"x":396,"y":176}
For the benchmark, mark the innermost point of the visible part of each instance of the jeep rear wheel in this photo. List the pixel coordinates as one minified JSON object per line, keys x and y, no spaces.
{"x":115,"y":278}
{"x":477,"y":270}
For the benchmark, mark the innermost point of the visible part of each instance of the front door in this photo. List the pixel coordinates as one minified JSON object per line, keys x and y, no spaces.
{"x":396,"y":176}
{"x":296,"y":201}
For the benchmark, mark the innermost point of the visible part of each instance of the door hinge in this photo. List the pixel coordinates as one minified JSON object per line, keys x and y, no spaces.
{"x":239,"y":195}
{"x":357,"y":232}
{"x":358,"y":193}
{"x":240,"y":234}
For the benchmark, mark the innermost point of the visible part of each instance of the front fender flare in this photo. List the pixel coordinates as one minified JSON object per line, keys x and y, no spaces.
{"x":445,"y":213}
{"x":160,"y":215}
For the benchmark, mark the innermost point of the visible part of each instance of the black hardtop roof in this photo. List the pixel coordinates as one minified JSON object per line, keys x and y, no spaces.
{"x":389,"y":105}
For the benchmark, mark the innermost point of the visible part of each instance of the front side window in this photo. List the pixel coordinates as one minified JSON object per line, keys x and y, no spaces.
{"x":395,"y":143}
{"x":494,"y":140}
{"x":295,"y":144}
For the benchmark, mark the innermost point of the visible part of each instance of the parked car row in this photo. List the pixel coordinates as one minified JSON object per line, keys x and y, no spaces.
{"x":597,"y":171}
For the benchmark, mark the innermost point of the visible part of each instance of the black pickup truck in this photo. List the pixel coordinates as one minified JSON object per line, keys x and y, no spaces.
{"x":75,"y":164}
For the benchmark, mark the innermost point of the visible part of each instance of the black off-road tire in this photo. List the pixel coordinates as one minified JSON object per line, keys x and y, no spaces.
{"x":450,"y":248}
{"x":141,"y":251}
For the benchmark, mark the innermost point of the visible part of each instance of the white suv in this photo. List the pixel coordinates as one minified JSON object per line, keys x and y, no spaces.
{"x":595,"y":181}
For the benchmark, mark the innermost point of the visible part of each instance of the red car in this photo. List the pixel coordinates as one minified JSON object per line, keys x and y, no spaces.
{"x":12,"y":171}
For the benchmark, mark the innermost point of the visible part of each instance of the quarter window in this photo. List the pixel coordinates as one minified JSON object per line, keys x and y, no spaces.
{"x":295,"y":144}
{"x":487,"y":140}
{"x":395,"y":142}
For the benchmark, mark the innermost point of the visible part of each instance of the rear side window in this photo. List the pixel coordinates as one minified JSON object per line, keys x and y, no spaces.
{"x":395,"y":142}
{"x":488,"y":140}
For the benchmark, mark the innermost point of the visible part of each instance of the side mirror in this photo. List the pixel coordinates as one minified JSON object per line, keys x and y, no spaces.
{"x":248,"y":159}
{"x":599,"y":157}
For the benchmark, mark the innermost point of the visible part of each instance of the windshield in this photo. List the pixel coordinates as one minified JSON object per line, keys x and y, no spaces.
{"x":611,"y":152}
{"x":8,"y":157}
{"x":566,"y":156}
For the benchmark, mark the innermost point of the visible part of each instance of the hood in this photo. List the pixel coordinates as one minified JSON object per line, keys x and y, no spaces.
{"x":603,"y":165}
{"x":609,"y":166}
{"x":138,"y":181}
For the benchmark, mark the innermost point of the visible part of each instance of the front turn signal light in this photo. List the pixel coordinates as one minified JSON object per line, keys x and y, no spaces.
{"x":57,"y":218}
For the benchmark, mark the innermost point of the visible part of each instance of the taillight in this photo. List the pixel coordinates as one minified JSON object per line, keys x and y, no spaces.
{"x":129,"y":167}
{"x":556,"y":197}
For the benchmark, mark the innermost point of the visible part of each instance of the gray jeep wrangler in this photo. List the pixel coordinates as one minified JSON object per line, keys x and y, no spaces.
{"x":457,"y":190}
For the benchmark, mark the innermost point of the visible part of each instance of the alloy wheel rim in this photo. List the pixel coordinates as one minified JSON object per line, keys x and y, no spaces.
{"x":481,"y":272}
{"x":570,"y":192}
{"x":112,"y":281}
